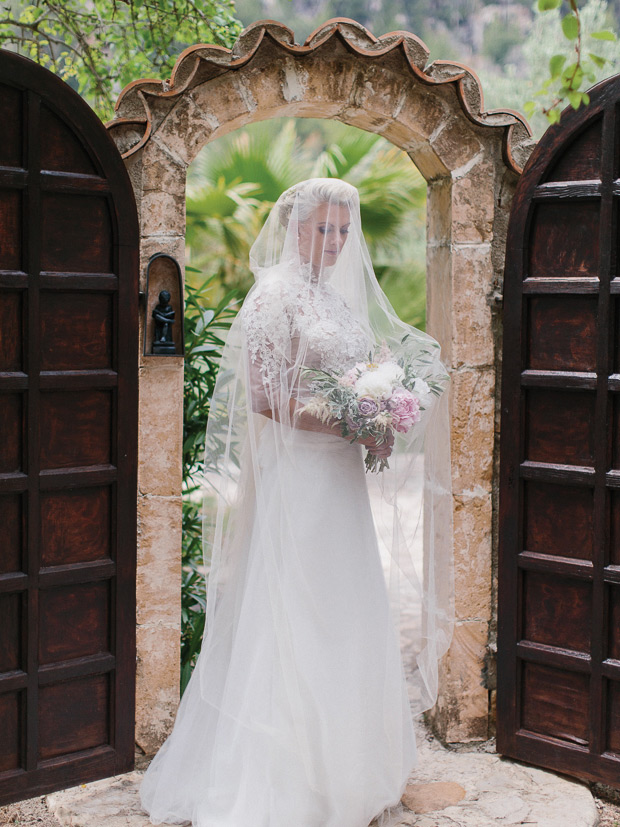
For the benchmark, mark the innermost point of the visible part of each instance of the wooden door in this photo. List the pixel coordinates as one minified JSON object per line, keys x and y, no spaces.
{"x":559,"y":568}
{"x":68,"y":436}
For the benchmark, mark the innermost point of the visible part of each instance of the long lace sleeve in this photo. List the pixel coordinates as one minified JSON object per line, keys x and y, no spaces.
{"x":267,"y":321}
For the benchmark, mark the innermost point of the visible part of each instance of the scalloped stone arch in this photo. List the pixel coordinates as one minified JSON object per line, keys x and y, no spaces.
{"x":471,"y":160}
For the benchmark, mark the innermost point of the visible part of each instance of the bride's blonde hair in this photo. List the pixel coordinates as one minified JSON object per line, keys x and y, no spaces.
{"x":309,"y":194}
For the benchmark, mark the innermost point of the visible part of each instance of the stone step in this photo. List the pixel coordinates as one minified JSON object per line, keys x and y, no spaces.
{"x":447,"y":789}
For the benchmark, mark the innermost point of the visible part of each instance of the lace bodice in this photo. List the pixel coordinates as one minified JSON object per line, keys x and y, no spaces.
{"x":287,"y":313}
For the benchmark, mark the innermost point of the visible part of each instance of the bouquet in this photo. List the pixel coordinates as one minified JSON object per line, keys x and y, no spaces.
{"x":378,"y":398}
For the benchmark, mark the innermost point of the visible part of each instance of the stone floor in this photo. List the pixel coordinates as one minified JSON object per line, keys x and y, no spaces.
{"x":448,"y":789}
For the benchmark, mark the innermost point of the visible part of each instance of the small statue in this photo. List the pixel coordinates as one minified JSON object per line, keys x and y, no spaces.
{"x":163,"y":314}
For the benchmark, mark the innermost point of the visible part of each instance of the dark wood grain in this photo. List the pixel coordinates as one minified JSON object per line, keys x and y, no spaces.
{"x":76,"y":331}
{"x":75,"y":525}
{"x":62,"y":150}
{"x":11,"y":755}
{"x":74,"y":716}
{"x":10,"y":230}
{"x":68,"y":419}
{"x":555,"y":703}
{"x":11,"y":428}
{"x":75,"y":428}
{"x":12,"y":522}
{"x":559,"y":520}
{"x":559,"y":427}
{"x":581,"y":158}
{"x":564,"y":240}
{"x":11,"y":655}
{"x":76,"y":235}
{"x":74,"y":622}
{"x":11,"y":118}
{"x":11,"y":331}
{"x":562,"y":333}
{"x":557,"y":610}
{"x":559,"y":517}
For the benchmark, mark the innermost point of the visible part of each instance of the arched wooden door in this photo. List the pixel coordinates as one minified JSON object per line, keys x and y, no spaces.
{"x":68,"y":437}
{"x":559,"y":568}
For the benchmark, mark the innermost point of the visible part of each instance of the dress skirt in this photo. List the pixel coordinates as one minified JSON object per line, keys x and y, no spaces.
{"x":297,"y":714}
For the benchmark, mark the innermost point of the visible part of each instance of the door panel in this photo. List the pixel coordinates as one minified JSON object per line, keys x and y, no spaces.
{"x":559,"y":565}
{"x":68,"y":419}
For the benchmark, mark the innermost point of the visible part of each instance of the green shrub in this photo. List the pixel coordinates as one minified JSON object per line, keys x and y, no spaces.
{"x":204,"y":327}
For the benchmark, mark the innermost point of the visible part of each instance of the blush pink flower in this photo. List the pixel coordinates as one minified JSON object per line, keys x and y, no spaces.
{"x":405,"y":410}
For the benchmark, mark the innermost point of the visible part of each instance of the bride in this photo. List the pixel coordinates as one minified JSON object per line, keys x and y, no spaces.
{"x":298,"y":713}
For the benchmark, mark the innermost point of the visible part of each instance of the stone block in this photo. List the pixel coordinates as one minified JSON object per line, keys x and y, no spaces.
{"x":472,"y":325}
{"x":187,"y":128}
{"x":439,"y":212}
{"x":473,"y":204}
{"x":461,"y":713}
{"x":157,"y":684}
{"x":226,"y":100}
{"x":472,"y":518}
{"x":162,"y":212}
{"x":458,"y":141}
{"x":417,"y":115}
{"x":158,"y":590}
{"x":472,"y":407}
{"x":160,"y":440}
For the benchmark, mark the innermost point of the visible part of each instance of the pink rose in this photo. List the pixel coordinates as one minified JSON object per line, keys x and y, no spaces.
{"x":405,"y":410}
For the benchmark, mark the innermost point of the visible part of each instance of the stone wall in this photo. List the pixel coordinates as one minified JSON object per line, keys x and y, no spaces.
{"x":471,"y":160}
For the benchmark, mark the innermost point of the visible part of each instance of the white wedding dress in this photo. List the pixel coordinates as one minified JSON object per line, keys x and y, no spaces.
{"x":299,"y":716}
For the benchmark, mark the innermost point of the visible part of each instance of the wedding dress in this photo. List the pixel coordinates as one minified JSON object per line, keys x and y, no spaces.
{"x":297,"y":713}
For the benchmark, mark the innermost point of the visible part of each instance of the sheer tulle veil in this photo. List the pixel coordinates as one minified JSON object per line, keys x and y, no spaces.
{"x":298,"y":711}
{"x":313,"y":239}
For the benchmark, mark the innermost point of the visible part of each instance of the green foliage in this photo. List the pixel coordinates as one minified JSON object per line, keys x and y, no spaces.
{"x":233,"y":184}
{"x":205,"y":326}
{"x":100,"y":46}
{"x":564,"y":81}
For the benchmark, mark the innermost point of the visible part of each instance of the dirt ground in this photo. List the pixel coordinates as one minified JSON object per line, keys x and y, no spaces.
{"x":33,"y":813}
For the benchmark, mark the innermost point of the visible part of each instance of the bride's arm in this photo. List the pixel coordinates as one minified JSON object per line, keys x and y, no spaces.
{"x":307,"y":422}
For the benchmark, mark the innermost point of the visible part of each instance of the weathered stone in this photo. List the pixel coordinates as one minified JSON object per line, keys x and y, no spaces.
{"x":486,"y":791}
{"x":428,"y":798}
{"x":157,"y":683}
{"x":439,"y":212}
{"x":472,"y":555}
{"x":161,"y":426}
{"x":473,"y":431}
{"x":462,"y":709}
{"x":473,"y":205}
{"x":159,"y":571}
{"x":472,"y":331}
{"x":457,"y":142}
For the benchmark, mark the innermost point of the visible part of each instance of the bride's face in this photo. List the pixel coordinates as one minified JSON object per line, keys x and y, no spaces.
{"x":324,"y":234}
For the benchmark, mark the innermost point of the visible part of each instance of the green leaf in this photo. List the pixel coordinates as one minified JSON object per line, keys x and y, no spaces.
{"x":548,"y":5}
{"x":604,"y":35}
{"x":555,"y":64}
{"x":574,"y":98}
{"x":570,"y":26}
{"x":597,"y":59}
{"x":530,"y":108}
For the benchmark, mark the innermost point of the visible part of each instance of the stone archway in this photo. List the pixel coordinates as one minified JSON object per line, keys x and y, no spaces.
{"x":471,"y":160}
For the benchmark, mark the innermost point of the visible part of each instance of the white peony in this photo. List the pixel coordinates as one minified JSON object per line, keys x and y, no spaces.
{"x":375,"y":384}
{"x":392,"y":372}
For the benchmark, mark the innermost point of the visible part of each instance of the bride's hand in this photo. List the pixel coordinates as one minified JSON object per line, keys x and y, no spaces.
{"x":382,"y":449}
